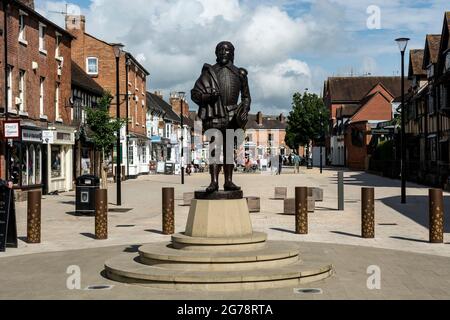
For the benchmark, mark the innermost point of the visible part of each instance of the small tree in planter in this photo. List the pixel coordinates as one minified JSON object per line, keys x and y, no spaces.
{"x":104,"y":129}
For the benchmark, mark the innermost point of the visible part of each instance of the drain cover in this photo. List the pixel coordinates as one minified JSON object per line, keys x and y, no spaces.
{"x":99,"y":287}
{"x":308,"y":291}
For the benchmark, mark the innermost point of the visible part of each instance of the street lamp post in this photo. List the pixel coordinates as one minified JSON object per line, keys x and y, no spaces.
{"x":402,"y":44}
{"x":182,"y":95}
{"x":117,"y":52}
{"x":321,"y":141}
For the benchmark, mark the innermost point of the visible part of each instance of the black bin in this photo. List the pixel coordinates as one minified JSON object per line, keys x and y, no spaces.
{"x":85,"y":193}
{"x":169,"y":168}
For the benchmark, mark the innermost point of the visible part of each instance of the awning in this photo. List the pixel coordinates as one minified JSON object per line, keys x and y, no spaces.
{"x":134,"y":135}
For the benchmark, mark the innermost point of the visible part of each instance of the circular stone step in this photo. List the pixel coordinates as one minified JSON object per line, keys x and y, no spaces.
{"x":127,"y":268}
{"x":252,"y":242}
{"x":274,"y":254}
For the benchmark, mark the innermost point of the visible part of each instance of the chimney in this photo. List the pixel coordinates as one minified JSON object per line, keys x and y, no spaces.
{"x":175,"y":102}
{"x":158,"y":94}
{"x":259,"y":118}
{"x":75,"y":23}
{"x":28,"y":3}
{"x":282,"y":118}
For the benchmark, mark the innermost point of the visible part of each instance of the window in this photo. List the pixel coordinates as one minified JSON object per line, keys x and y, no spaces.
{"x":447,"y":62}
{"x":56,"y":164}
{"x":41,"y":96}
{"x":22,"y":36}
{"x":168,"y":131}
{"x":444,"y":97}
{"x":131,"y":154}
{"x":58,"y":42}
{"x":57,"y":102}
{"x":430,"y":71}
{"x":431,"y":103}
{"x":24,"y":165}
{"x":92,"y":65}
{"x":144,"y":155}
{"x":38,"y":164}
{"x":31,"y":165}
{"x":22,"y":88}
{"x":42,"y":29}
{"x":9,"y":86}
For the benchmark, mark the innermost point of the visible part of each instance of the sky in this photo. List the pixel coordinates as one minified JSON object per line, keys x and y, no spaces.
{"x":287,"y":46}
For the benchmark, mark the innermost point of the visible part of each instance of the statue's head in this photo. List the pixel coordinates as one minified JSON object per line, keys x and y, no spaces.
{"x":225,"y":52}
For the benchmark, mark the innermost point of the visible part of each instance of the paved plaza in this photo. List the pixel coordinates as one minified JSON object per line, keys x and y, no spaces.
{"x":411,"y":268}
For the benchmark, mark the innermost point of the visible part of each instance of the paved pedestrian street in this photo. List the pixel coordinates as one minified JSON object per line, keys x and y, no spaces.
{"x":409,"y":267}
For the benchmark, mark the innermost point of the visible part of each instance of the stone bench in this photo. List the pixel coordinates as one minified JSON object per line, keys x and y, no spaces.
{"x":316,"y":194}
{"x":187,"y":198}
{"x":280,"y":193}
{"x":289,"y":205}
{"x":254,"y":204}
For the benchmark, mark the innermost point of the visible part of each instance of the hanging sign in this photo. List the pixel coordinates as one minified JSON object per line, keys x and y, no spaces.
{"x":11,"y":129}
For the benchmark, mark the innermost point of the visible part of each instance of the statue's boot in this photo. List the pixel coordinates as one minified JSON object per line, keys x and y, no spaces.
{"x":229,"y":185}
{"x":214,"y":171}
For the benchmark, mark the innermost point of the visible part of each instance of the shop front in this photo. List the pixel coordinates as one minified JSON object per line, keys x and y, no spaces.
{"x":26,"y":161}
{"x":60,"y":144}
{"x":139,"y":151}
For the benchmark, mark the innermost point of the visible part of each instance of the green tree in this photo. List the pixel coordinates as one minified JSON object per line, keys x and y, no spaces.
{"x":308,"y":121}
{"x":104,"y":129}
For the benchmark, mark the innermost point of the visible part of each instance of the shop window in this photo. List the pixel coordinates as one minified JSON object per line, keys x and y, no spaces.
{"x":31,"y":165}
{"x":15,"y":165}
{"x":131,"y":155}
{"x":144,"y":155}
{"x":38,"y":164}
{"x":23,"y":166}
{"x":56,"y":162}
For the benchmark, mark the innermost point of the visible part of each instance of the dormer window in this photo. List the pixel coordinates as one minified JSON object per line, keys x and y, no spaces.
{"x":430,"y":71}
{"x":447,"y":61}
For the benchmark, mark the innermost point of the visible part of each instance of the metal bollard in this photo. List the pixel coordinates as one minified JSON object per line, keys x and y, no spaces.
{"x":301,"y":210}
{"x":34,"y":217}
{"x":341,"y":191}
{"x":168,"y":210}
{"x":436,"y":204}
{"x":368,"y":213}
{"x":101,"y":214}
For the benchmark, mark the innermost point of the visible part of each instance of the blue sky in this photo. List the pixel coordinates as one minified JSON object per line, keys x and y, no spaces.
{"x":286,"y":45}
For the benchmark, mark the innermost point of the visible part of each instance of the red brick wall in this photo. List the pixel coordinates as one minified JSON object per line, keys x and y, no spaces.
{"x":378,"y":108}
{"x":357,"y":156}
{"x":86,"y":46}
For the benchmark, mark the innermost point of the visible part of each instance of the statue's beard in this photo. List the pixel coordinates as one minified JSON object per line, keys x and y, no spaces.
{"x":224,"y":60}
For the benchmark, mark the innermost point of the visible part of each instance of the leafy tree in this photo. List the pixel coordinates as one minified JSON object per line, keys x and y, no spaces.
{"x":104,"y":129}
{"x":304,"y":121}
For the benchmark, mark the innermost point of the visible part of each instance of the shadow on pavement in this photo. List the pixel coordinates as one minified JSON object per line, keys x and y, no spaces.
{"x":154,"y":231}
{"x":346,"y":234}
{"x":417,"y":209}
{"x":409,"y":239}
{"x":132,"y":248}
{"x":283,"y":230}
{"x":88,"y":235}
{"x":371,"y":180}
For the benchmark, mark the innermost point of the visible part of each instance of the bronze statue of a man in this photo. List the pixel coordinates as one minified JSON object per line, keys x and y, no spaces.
{"x":217,"y":94}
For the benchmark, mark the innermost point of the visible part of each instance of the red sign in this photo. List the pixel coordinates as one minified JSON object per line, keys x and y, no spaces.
{"x":11,"y":129}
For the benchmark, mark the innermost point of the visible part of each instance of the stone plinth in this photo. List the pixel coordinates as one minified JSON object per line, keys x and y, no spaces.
{"x":280,"y":193}
{"x":316,"y":194}
{"x":289,"y":206}
{"x":187,"y":198}
{"x":254,"y":204}
{"x":219,"y":219}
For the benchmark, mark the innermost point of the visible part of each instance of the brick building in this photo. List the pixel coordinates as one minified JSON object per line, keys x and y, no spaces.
{"x":357,"y":104}
{"x":38,"y":90}
{"x":97,"y":58}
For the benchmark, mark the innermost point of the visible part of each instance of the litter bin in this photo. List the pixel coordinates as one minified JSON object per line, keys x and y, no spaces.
{"x":169,"y":168}
{"x":85,"y":193}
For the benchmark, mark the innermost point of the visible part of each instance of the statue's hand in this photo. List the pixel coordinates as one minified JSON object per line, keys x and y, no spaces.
{"x":212,"y":95}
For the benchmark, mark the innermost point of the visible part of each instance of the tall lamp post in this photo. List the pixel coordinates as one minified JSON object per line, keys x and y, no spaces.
{"x":182,"y":95}
{"x":402,"y":44}
{"x":321,"y":141}
{"x":117,"y":52}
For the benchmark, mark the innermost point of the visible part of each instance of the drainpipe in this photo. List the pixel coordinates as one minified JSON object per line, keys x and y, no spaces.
{"x":5,"y":39}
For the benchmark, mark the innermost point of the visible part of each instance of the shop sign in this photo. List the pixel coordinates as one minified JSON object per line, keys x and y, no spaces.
{"x":48,"y":137}
{"x":11,"y":129}
{"x":31,"y":135}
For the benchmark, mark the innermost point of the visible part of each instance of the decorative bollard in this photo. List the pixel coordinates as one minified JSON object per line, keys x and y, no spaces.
{"x":34,"y":217}
{"x":341,"y":191}
{"x":301,"y":210}
{"x":436,"y":203}
{"x":368,"y":213}
{"x":101,"y":214}
{"x":168,"y":210}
